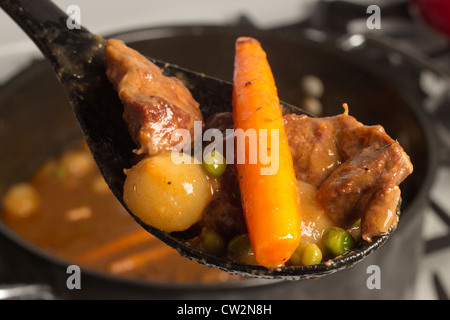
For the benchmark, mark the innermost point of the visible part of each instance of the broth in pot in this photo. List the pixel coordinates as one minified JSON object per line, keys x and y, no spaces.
{"x":67,"y":209}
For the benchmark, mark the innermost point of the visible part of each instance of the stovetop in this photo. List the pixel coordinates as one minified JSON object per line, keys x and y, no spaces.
{"x":335,"y":18}
{"x":415,"y":40}
{"x":434,"y":277}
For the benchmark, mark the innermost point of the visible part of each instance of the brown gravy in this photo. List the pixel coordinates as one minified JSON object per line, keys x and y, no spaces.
{"x":79,"y":219}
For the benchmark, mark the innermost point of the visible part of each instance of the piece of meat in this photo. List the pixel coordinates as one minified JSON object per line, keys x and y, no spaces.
{"x":314,"y":144}
{"x":380,"y":212}
{"x":360,"y":186}
{"x":154,"y":105}
{"x":224,"y":217}
{"x":356,"y":168}
{"x":353,"y":139}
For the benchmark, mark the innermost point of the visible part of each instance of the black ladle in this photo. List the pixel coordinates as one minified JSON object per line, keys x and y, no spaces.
{"x":77,"y":57}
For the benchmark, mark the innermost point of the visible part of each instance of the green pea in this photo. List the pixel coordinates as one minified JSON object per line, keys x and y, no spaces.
{"x":214,"y":163}
{"x":211,"y":241}
{"x":337,"y":241}
{"x":306,"y":254}
{"x":239,"y":249}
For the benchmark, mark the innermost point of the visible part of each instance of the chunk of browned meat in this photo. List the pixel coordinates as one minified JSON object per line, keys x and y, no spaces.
{"x":366,"y":186}
{"x":314,"y":144}
{"x":357,"y":169}
{"x":224,"y":217}
{"x":353,"y":139}
{"x":154,"y":105}
{"x":380,"y":212}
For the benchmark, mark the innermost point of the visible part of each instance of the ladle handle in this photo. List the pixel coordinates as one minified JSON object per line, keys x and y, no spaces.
{"x":70,"y":50}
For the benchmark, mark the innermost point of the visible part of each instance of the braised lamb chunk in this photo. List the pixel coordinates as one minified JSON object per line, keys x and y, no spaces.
{"x":154,"y":105}
{"x":357,"y":169}
{"x":380,"y":212}
{"x":366,"y":186}
{"x":353,"y":139}
{"x":314,"y":144}
{"x":224,"y":217}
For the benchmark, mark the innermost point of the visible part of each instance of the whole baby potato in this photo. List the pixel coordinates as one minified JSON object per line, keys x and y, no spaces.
{"x":167,"y":195}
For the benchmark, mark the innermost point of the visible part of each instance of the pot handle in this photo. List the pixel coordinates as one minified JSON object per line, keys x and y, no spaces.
{"x":26,"y":292}
{"x":434,"y":82}
{"x":350,"y":42}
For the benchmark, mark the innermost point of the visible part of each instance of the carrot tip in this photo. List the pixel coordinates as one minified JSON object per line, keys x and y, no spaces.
{"x":247,"y":39}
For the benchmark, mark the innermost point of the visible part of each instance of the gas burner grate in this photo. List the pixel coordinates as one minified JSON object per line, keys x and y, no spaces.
{"x":440,"y":242}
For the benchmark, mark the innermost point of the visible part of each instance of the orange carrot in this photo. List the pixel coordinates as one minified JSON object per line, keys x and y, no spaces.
{"x":271,"y":201}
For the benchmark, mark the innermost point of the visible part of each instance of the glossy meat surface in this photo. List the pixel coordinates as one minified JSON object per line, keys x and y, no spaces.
{"x":314,"y":144}
{"x":357,"y":169}
{"x":154,"y":105}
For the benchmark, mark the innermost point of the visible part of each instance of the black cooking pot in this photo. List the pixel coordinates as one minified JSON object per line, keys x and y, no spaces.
{"x":36,"y":122}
